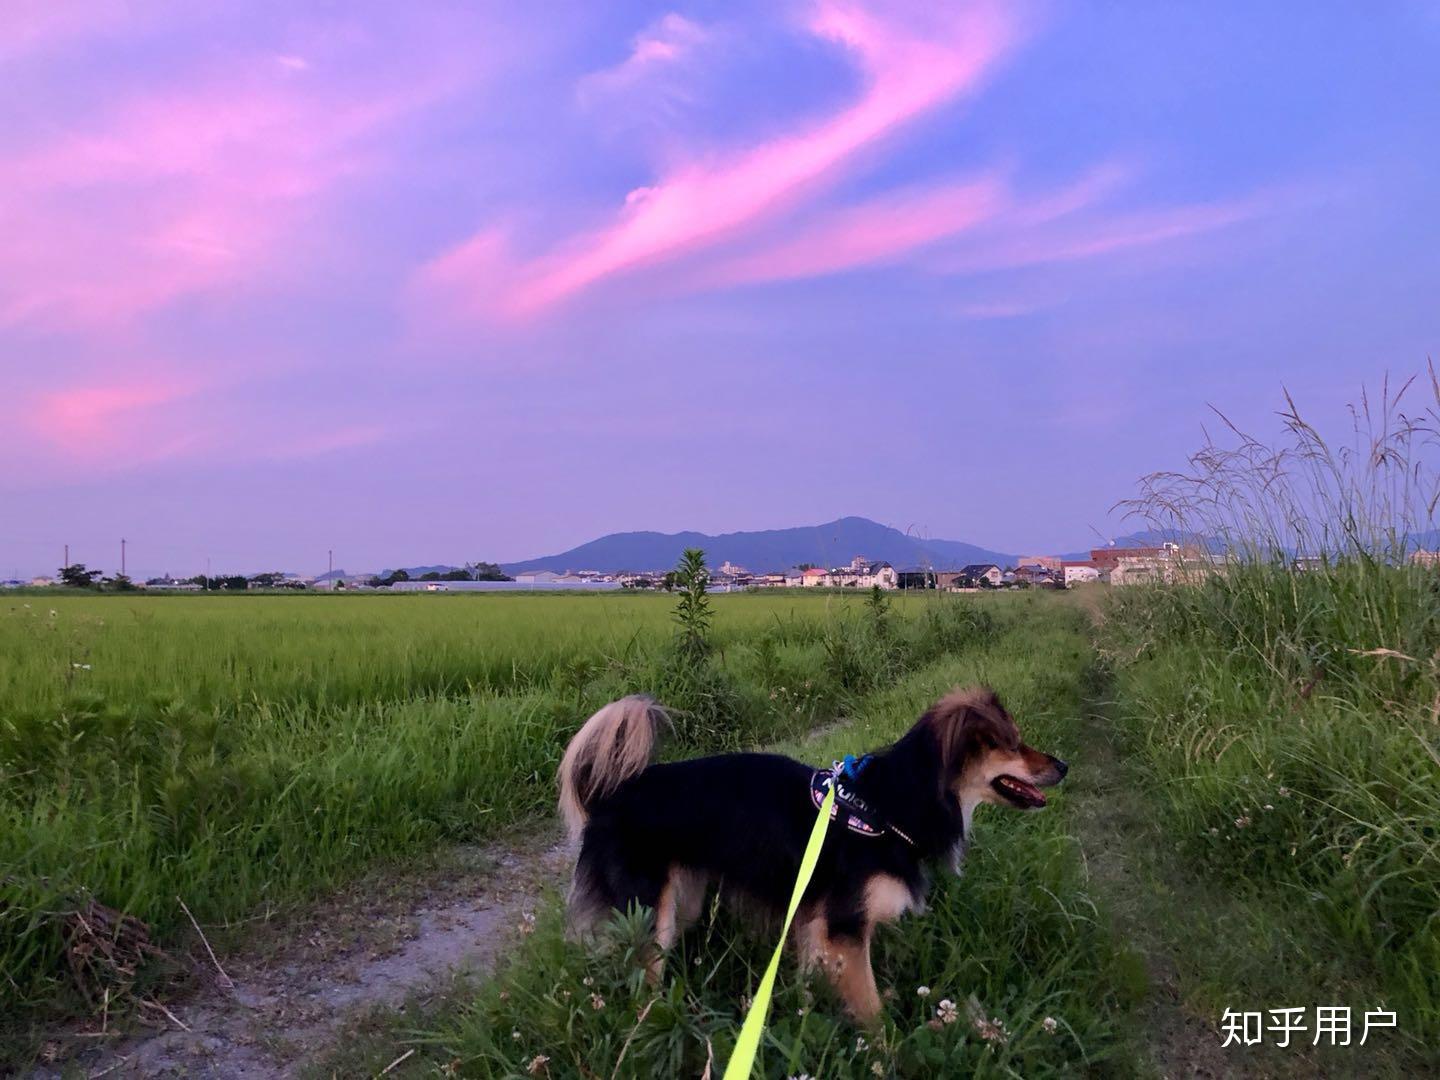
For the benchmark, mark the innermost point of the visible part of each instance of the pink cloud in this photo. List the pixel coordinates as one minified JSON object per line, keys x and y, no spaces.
{"x":319,"y":443}
{"x":152,"y":416}
{"x":34,"y":25}
{"x":665,"y":42}
{"x":983,"y":223}
{"x":104,"y":424}
{"x":910,"y":64}
{"x":1092,"y":237}
{"x":169,"y":195}
{"x":878,"y":231}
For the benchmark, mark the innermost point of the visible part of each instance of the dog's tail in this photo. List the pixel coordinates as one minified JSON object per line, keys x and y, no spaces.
{"x":614,"y":745}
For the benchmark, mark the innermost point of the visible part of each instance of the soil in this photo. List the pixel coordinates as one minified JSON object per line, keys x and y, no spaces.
{"x":298,"y":983}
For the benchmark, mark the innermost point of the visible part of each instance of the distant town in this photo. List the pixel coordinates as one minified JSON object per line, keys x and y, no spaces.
{"x":1111,"y":565}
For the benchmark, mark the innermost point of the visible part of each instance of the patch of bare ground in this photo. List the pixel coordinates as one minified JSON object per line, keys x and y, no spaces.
{"x":292,"y":983}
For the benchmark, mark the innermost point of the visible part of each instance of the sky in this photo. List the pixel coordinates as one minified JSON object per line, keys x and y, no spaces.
{"x":447,"y":282}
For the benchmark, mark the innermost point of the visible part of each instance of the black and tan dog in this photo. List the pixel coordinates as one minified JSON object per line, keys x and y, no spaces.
{"x":660,"y":835}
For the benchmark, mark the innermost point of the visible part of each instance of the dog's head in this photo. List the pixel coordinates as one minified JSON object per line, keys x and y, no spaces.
{"x":981,"y":756}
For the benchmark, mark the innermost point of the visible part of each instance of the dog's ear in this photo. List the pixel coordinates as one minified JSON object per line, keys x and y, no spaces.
{"x":966,"y":721}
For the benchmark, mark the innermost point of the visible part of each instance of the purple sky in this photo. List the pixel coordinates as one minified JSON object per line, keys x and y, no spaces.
{"x":444,"y":282}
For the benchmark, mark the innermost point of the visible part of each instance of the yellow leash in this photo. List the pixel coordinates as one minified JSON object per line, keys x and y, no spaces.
{"x":743,"y":1058}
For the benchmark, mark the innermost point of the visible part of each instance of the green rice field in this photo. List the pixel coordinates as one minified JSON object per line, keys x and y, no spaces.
{"x":249,"y":755}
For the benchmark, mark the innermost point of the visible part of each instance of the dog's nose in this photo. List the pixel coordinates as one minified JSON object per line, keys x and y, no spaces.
{"x":1060,"y":767}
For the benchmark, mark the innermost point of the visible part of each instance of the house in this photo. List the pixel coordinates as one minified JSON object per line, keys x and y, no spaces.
{"x":864,"y":574}
{"x":880,"y":574}
{"x":1168,"y":563}
{"x":1107,"y":558}
{"x":1137,"y":570}
{"x":1047,"y":562}
{"x":982,"y":575}
{"x":537,"y":577}
{"x":1427,"y":559}
{"x":814,"y":576}
{"x":1078,"y":571}
{"x":1030,"y":574}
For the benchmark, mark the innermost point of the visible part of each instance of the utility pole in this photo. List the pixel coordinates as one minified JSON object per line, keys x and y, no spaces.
{"x":330,"y":569}
{"x":67,"y":554}
{"x":207,"y":573}
{"x":122,"y":556}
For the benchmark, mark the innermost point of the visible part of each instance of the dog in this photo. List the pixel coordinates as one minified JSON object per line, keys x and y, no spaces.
{"x":659,"y":835}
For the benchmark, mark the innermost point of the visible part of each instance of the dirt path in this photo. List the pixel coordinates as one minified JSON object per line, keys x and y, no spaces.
{"x":297,"y":985}
{"x":1117,"y":839}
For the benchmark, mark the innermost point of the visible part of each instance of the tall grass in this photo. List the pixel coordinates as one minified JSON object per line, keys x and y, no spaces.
{"x":1291,"y":715}
{"x":239,"y":753}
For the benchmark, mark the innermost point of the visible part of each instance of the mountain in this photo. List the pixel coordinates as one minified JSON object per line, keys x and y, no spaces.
{"x":833,"y":544}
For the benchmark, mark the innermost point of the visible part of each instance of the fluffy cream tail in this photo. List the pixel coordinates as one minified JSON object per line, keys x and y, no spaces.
{"x":614,"y":745}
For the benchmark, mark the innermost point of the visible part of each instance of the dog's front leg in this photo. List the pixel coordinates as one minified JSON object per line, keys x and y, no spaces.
{"x":847,"y":962}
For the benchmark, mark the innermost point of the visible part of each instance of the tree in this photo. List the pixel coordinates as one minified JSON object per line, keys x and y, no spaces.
{"x":488,"y":571}
{"x":430,"y":575}
{"x":456,"y":575}
{"x":77,"y":577}
{"x":120,"y":583}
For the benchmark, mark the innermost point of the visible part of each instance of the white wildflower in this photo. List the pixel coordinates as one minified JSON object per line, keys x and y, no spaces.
{"x":947,"y":1012}
{"x":1049,"y":1025}
{"x":922,"y":991}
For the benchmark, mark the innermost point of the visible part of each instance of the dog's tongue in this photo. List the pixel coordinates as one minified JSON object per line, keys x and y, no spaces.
{"x":1028,"y":792}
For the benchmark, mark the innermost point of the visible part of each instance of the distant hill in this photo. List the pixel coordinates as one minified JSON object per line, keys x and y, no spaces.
{"x":833,"y":544}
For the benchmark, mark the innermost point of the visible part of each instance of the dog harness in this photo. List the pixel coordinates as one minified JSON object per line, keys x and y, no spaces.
{"x":859,"y":816}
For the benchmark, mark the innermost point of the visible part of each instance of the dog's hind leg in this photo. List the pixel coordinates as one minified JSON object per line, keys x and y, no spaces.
{"x":676,"y":910}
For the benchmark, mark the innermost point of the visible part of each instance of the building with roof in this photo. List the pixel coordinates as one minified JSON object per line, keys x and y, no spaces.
{"x":981,"y":575}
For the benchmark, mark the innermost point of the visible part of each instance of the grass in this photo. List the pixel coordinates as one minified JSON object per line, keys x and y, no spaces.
{"x":1298,"y":776}
{"x":245,"y":753}
{"x":1019,"y":940}
{"x":1286,"y":720}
